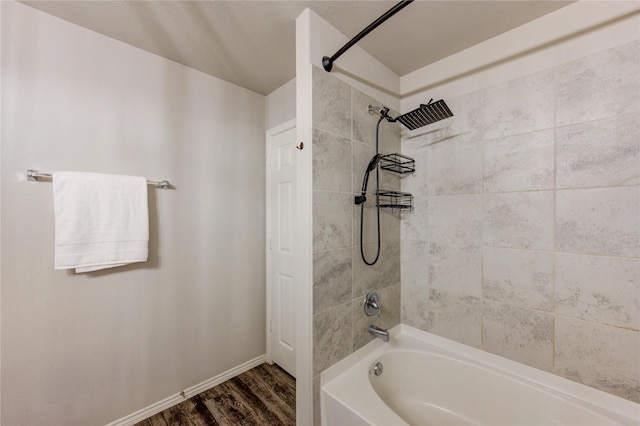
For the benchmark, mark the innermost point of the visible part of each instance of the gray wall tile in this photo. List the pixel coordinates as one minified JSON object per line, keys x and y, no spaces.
{"x":390,"y":224}
{"x":332,"y":339}
{"x":599,"y":221}
{"x":415,"y":279}
{"x":468,"y":112}
{"x":519,"y":163}
{"x":331,"y":162}
{"x":523,"y":252}
{"x":598,"y":355}
{"x":418,"y":149}
{"x":414,"y":266}
{"x":522,"y":105}
{"x":596,"y":288}
{"x":413,"y":225}
{"x":332,"y":220}
{"x":519,"y":334}
{"x":390,"y":304}
{"x":456,"y":317}
{"x":385,"y":272}
{"x":455,"y":166}
{"x":519,"y":220}
{"x":519,"y":278}
{"x":455,"y":220}
{"x":600,"y":153}
{"x":414,"y":305}
{"x":390,"y":140}
{"x":331,"y":278}
{"x":344,"y":142}
{"x":456,"y":269}
{"x":602,"y":85}
{"x":331,"y":103}
{"x":364,"y":124}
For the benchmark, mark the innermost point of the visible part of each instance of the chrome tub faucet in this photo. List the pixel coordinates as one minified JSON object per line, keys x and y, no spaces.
{"x":379,"y":332}
{"x":371,"y":307}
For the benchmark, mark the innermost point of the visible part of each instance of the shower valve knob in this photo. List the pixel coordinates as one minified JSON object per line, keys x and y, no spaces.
{"x":371,"y":304}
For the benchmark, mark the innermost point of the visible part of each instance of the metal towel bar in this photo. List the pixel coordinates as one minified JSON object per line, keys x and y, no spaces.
{"x":34,"y":176}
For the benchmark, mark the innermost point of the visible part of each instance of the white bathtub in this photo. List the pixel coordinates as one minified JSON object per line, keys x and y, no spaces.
{"x":429,"y":380}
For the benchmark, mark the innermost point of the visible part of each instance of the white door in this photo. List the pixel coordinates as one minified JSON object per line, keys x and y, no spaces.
{"x":280,"y":282}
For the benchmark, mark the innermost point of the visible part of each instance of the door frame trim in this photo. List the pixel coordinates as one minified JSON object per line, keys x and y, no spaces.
{"x":270,"y":135}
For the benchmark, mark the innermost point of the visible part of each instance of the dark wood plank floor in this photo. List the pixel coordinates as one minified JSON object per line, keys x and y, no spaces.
{"x":264,"y":395}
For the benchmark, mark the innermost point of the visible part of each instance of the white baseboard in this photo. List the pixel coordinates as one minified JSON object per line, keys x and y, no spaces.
{"x":169,"y":402}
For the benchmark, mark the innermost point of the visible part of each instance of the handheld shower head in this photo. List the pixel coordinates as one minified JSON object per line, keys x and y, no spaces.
{"x":373,"y":162}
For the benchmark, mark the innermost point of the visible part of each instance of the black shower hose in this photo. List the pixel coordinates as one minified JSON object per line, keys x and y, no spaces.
{"x":372,"y":164}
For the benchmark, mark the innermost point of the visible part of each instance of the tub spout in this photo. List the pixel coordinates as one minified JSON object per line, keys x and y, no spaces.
{"x":379,"y":332}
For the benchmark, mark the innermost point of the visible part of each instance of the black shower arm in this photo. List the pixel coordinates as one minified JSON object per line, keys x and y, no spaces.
{"x":384,"y":113}
{"x":327,"y":62}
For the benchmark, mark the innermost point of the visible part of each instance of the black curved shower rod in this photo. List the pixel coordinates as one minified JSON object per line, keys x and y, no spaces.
{"x":327,"y":62}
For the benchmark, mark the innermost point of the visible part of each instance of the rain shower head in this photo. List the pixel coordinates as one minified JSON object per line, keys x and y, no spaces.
{"x":425,"y":114}
{"x":419,"y":117}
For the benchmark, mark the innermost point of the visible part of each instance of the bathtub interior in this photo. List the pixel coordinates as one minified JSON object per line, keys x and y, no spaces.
{"x":455,"y":392}
{"x":431,"y":380}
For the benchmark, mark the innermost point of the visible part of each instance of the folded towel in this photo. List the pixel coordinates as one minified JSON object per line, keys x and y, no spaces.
{"x":101,"y":221}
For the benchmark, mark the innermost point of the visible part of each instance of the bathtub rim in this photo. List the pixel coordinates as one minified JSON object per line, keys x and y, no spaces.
{"x":404,"y":337}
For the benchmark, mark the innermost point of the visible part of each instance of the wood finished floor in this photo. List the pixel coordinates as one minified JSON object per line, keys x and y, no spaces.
{"x":264,"y":395}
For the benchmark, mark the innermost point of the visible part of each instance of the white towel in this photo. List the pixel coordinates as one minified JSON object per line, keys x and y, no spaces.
{"x":101,"y":221}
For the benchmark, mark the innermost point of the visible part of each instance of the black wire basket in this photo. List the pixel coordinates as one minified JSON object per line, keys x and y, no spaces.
{"x":395,"y":200}
{"x":398,"y":163}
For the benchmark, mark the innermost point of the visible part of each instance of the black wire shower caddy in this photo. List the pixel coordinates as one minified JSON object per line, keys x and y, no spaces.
{"x":399,"y":164}
{"x":395,"y":200}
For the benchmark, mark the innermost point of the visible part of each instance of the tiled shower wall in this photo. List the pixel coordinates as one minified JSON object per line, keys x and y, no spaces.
{"x":343,"y":144}
{"x":525,"y":241}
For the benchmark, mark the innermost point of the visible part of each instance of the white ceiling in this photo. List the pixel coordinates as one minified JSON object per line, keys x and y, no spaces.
{"x":252,"y":43}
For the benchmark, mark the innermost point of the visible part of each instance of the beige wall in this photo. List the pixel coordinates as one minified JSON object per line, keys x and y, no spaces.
{"x":525,"y":240}
{"x":91,"y":348}
{"x":280,"y":105}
